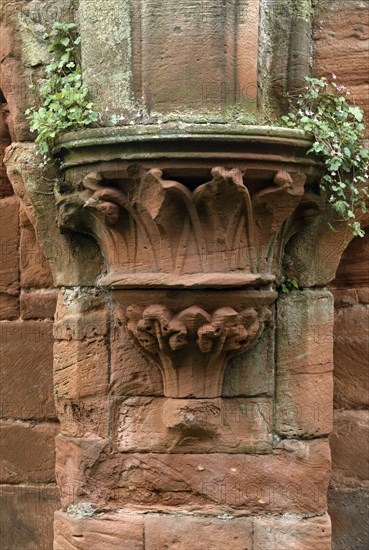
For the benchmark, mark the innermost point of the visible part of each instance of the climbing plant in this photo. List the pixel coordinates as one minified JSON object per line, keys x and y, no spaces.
{"x":324,"y":110}
{"x":65,"y":104}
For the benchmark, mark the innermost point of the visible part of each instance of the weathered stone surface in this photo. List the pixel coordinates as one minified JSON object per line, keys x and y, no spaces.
{"x":27,"y":452}
{"x":84,"y":416}
{"x":74,"y":260}
{"x":106,"y":531}
{"x":187,"y":83}
{"x":9,"y":239}
{"x":341,"y":32}
{"x":304,"y":407}
{"x":74,"y":457}
{"x":26,"y":369}
{"x":9,"y":306}
{"x":292,"y":480}
{"x":312,"y":256}
{"x":38,"y":304}
{"x":80,"y":368}
{"x":348,"y":509}
{"x":34,"y":269}
{"x":193,"y":425}
{"x":305,"y":332}
{"x":181,"y":532}
{"x":292,"y":533}
{"x":26,"y":516}
{"x":253,"y":372}
{"x":132,"y":372}
{"x":344,"y":297}
{"x":304,"y":363}
{"x":351,"y":357}
{"x":81,"y":314}
{"x":353,"y":270}
{"x":13,"y":74}
{"x":5,"y":140}
{"x":363,"y":295}
{"x":350,"y":449}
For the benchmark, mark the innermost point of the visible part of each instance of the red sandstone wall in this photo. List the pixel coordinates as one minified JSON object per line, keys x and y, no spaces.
{"x":349,"y":493}
{"x":341,"y":46}
{"x":28,"y":422}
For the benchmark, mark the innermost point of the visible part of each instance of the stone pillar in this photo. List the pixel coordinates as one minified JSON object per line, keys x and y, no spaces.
{"x":194,"y":400}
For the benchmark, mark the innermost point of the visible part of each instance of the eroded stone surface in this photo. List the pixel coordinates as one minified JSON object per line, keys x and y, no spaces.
{"x":26,"y":516}
{"x":292,"y":533}
{"x":341,"y":31}
{"x":193,"y":425}
{"x":27,"y":452}
{"x":105,"y":531}
{"x":26,"y":367}
{"x":9,"y":271}
{"x":350,"y":448}
{"x":292,"y":480}
{"x":184,"y":532}
{"x":351,"y":357}
{"x":304,"y":363}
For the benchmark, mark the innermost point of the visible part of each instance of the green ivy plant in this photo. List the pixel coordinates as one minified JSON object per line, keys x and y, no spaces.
{"x":288,"y":285}
{"x":325,"y":111}
{"x":64,"y":98}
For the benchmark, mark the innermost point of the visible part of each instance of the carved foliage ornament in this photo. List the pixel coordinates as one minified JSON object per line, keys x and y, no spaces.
{"x":192,"y":346}
{"x":148,"y":225}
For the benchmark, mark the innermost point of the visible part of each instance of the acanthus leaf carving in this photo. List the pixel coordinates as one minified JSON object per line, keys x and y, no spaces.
{"x":192,"y":346}
{"x":155,"y":230}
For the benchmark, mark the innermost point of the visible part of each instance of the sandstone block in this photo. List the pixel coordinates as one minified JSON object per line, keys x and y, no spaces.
{"x":107,"y":532}
{"x":80,"y":368}
{"x":9,"y":242}
{"x":74,"y":457}
{"x":304,"y":364}
{"x":350,"y":449}
{"x":132,"y":372}
{"x":353,"y":270}
{"x":35,"y":271}
{"x":304,"y":406}
{"x":84,"y":416}
{"x":292,"y":533}
{"x":344,"y":297}
{"x":9,"y":307}
{"x":38,"y":304}
{"x":252,"y":373}
{"x":363,"y":295}
{"x":351,"y":357}
{"x":80,"y":315}
{"x":305,"y":332}
{"x":26,"y":516}
{"x":348,"y":509}
{"x":193,"y":425}
{"x":26,"y":359}
{"x":292,"y":480}
{"x":27,"y":452}
{"x":181,"y":532}
{"x":340,"y":34}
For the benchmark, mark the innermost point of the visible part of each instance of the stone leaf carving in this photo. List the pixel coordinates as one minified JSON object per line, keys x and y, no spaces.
{"x":192,"y":346}
{"x":149,"y":227}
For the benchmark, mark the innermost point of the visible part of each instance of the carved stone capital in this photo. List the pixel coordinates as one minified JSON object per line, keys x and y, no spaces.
{"x":213,"y":217}
{"x":192,"y":346}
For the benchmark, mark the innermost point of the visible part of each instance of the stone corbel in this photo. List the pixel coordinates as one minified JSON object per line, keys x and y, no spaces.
{"x":156,"y":232}
{"x":191,"y":347}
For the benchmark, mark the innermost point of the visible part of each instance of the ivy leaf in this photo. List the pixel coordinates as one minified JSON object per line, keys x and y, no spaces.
{"x":357,"y":112}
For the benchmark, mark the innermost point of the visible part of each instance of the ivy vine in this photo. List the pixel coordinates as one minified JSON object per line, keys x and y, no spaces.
{"x":65,"y":104}
{"x":325,"y":111}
